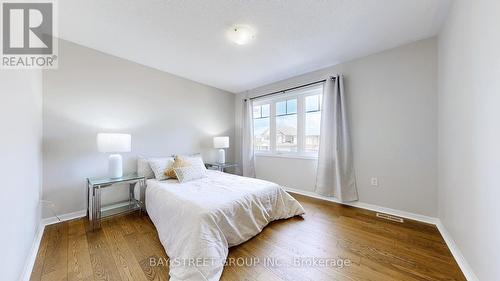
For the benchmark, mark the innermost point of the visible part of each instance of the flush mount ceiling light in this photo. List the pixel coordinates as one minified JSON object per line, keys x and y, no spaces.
{"x":241,"y":34}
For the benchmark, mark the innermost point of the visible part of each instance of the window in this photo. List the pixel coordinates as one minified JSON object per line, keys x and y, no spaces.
{"x":261,"y":130}
{"x":312,"y":122}
{"x":286,"y":125}
{"x":289,"y":124}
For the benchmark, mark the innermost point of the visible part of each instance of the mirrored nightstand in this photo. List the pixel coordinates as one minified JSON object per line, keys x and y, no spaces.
{"x":221,"y":166}
{"x":96,"y":212}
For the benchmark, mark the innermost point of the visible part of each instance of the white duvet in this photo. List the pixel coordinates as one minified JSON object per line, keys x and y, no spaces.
{"x":198,"y":221}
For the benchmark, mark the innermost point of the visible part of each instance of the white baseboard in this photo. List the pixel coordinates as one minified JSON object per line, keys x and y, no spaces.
{"x":371,"y":207}
{"x":65,"y":217}
{"x":455,"y":251}
{"x":30,"y":262}
{"x":457,"y":254}
{"x":28,"y":268}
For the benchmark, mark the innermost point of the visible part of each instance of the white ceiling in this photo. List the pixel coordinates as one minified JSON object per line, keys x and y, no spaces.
{"x":187,"y":38}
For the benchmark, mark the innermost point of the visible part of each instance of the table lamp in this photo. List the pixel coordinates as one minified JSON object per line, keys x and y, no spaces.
{"x":114,"y":144}
{"x":221,"y":143}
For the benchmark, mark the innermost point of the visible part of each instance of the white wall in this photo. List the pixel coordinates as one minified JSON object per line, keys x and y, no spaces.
{"x":469,"y":132}
{"x":94,"y":92}
{"x":20,"y":167}
{"x":392,"y":103}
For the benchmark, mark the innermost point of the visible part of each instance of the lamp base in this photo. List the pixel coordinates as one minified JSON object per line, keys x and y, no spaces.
{"x":115,"y":168}
{"x":221,"y":157}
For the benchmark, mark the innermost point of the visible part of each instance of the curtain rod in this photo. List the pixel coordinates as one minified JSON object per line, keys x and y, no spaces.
{"x":290,"y":89}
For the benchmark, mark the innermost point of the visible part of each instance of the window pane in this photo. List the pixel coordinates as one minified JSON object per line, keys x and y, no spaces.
{"x":265,"y":110}
{"x":285,"y":129}
{"x":281,"y":108}
{"x":291,"y":106}
{"x":312,"y":103}
{"x":256,"y":111}
{"x":261,"y":134}
{"x":286,"y":133}
{"x":312,"y":126}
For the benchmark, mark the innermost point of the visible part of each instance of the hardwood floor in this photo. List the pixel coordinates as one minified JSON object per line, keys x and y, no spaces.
{"x":377,"y":249}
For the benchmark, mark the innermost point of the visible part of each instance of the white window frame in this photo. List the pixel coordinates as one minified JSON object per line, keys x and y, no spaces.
{"x":300,"y":95}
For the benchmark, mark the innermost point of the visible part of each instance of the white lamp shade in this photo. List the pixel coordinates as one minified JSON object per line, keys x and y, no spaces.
{"x":221,"y":142}
{"x":114,"y":143}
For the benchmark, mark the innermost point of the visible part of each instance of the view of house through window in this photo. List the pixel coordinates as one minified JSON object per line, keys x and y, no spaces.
{"x":286,"y":125}
{"x":290,"y":124}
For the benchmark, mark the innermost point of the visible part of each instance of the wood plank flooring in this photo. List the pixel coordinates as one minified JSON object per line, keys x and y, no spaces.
{"x":377,"y":249}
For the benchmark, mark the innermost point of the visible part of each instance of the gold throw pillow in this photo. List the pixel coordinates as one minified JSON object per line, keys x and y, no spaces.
{"x":178,"y":163}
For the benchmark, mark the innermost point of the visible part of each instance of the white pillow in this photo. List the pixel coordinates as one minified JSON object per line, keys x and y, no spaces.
{"x":160,"y":165}
{"x":144,"y":169}
{"x":194,"y":172}
{"x":194,"y":160}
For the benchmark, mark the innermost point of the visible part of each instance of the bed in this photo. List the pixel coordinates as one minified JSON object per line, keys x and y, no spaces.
{"x":198,"y":221}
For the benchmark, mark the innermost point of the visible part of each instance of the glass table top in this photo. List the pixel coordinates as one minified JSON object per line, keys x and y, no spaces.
{"x":224,"y":165}
{"x":108,"y":180}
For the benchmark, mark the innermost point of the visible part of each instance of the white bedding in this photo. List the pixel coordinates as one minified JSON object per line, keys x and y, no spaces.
{"x":201,"y":219}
